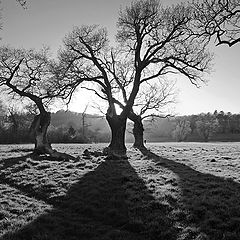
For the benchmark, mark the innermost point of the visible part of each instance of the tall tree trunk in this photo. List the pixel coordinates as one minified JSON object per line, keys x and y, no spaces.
{"x":117,"y":146}
{"x":39,"y":128}
{"x":137,"y":130}
{"x":138,"y":133}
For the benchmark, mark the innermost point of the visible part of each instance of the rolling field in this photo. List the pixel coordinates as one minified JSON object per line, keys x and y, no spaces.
{"x":175,"y":191}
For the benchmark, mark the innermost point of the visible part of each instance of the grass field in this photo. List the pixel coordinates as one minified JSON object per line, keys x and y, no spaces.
{"x":176,"y":191}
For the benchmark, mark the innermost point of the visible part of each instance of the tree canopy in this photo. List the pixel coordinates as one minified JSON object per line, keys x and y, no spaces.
{"x":152,"y":41}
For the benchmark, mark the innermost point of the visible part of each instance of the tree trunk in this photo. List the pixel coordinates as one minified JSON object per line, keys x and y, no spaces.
{"x":39,"y":128}
{"x":42,"y":146}
{"x":137,"y":130}
{"x":138,"y":133}
{"x":117,"y":146}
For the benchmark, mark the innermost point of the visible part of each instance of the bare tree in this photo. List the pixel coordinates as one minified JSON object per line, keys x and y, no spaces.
{"x":29,"y":75}
{"x":182,"y":129}
{"x":218,"y":19}
{"x":84,"y":123}
{"x":153,"y":41}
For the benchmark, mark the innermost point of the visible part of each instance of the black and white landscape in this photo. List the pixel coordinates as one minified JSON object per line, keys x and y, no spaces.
{"x":119,"y":120}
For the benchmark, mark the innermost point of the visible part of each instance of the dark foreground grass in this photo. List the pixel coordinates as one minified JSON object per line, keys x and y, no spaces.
{"x":144,"y":197}
{"x":209,"y":205}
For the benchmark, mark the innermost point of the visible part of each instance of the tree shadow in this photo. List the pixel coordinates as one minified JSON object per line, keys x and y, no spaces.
{"x":17,"y":164}
{"x":110,"y":202}
{"x":209,"y":204}
{"x":9,"y":162}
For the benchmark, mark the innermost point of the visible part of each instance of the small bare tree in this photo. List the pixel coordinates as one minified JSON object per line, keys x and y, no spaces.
{"x":85,"y":125}
{"x":182,"y":129}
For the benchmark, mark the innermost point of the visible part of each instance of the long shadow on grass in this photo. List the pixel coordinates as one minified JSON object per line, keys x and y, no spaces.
{"x":18,"y":164}
{"x":8,"y":162}
{"x":110,"y":202}
{"x":5,"y":163}
{"x":210,"y":205}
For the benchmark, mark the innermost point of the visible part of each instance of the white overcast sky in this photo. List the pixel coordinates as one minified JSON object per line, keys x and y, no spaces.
{"x":46,"y":22}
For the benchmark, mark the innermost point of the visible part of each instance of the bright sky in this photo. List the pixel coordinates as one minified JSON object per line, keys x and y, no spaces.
{"x":46,"y":22}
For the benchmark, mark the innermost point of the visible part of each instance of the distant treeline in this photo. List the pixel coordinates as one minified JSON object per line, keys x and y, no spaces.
{"x":70,"y":127}
{"x":65,"y":127}
{"x":217,"y":126}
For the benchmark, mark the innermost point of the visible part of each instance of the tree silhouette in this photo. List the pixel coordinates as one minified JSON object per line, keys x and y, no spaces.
{"x":152,"y":41}
{"x":29,"y":75}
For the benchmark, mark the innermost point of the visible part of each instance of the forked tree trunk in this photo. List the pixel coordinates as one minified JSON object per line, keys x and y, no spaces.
{"x":117,"y":146}
{"x":39,"y":129}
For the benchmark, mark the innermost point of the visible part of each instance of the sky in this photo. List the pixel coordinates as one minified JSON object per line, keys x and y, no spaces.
{"x":46,"y":22}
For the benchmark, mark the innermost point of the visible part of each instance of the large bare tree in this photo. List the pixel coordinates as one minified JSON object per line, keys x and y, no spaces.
{"x":152,"y":40}
{"x":30,"y":75}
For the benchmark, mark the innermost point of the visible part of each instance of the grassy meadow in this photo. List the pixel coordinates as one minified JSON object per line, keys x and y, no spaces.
{"x":175,"y":191}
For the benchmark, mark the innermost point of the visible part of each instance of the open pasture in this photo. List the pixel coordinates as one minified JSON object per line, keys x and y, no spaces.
{"x":177,"y":191}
